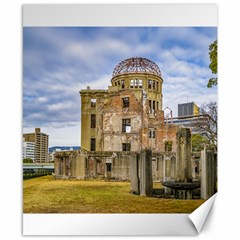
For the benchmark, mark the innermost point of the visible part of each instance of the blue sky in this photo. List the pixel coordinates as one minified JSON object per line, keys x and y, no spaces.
{"x":60,"y":61}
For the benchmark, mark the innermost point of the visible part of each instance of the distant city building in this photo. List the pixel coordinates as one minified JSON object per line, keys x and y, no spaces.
{"x":28,"y":149}
{"x":187,"y":109}
{"x":41,"y":144}
{"x":188,"y":116}
{"x":188,"y":122}
{"x":61,"y":148}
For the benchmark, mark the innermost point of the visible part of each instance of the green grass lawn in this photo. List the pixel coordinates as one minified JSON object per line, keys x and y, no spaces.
{"x":49,"y":195}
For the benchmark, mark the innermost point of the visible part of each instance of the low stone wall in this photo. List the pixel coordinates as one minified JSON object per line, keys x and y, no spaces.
{"x":82,"y":165}
{"x":70,"y":164}
{"x":113,"y":165}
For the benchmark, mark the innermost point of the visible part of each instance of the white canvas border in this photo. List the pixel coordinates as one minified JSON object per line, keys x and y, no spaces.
{"x":112,"y":15}
{"x":220,"y":223}
{"x":120,"y":15}
{"x":108,"y":225}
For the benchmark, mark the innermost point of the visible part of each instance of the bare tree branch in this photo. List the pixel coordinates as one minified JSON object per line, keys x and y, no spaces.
{"x":207,"y":125}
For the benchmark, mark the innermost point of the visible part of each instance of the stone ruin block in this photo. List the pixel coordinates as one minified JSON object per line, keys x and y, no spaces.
{"x":141,"y":173}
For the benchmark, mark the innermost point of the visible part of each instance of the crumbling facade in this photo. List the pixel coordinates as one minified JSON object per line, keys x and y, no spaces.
{"x":128,"y":116}
{"x":119,"y":122}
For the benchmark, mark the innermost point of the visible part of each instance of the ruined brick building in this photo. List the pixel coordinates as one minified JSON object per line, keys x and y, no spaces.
{"x":128,"y":115}
{"x":120,"y":121}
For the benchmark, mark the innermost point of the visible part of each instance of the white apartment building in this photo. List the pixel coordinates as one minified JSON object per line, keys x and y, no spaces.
{"x":28,"y":150}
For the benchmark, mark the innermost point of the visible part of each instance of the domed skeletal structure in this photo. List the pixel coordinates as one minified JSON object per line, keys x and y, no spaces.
{"x":136,"y":65}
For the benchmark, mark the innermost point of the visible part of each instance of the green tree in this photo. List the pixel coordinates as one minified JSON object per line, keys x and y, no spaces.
{"x":27,"y":160}
{"x":213,"y":54}
{"x":198,"y":142}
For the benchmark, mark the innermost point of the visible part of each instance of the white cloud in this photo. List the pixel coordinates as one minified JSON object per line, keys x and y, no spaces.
{"x":42,"y":99}
{"x":67,"y":60}
{"x":65,"y":136}
{"x":60,"y":106}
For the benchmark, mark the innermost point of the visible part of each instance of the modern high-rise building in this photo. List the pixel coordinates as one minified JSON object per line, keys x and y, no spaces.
{"x":41,"y":144}
{"x":28,"y":149}
{"x":187,"y":109}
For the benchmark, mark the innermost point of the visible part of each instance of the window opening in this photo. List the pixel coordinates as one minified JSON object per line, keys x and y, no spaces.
{"x":93,"y":144}
{"x":152,"y":133}
{"x":125,"y":102}
{"x":93,"y":102}
{"x":126,"y":125}
{"x":93,"y":120}
{"x":123,"y":84}
{"x":109,"y":167}
{"x":126,"y":146}
{"x":149,"y":84}
{"x":168,"y":146}
{"x":132,"y":84}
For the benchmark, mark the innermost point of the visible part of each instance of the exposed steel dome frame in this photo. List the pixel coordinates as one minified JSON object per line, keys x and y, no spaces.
{"x":136,"y":65}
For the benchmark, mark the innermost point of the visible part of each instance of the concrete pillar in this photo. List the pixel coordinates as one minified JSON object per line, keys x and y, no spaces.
{"x":145,"y":172}
{"x":203,"y":175}
{"x":188,"y":194}
{"x":81,"y":166}
{"x":208,"y":174}
{"x":183,"y":155}
{"x":60,"y":167}
{"x":56,"y":166}
{"x":64,"y":167}
{"x":215,"y":172}
{"x":168,"y":168}
{"x":164,"y":168}
{"x":161,"y":168}
{"x":105,"y":169}
{"x":141,"y":173}
{"x":173,"y":167}
{"x":134,"y":178}
{"x":95,"y":167}
{"x":193,"y":169}
{"x":167,"y":173}
{"x":73,"y":165}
